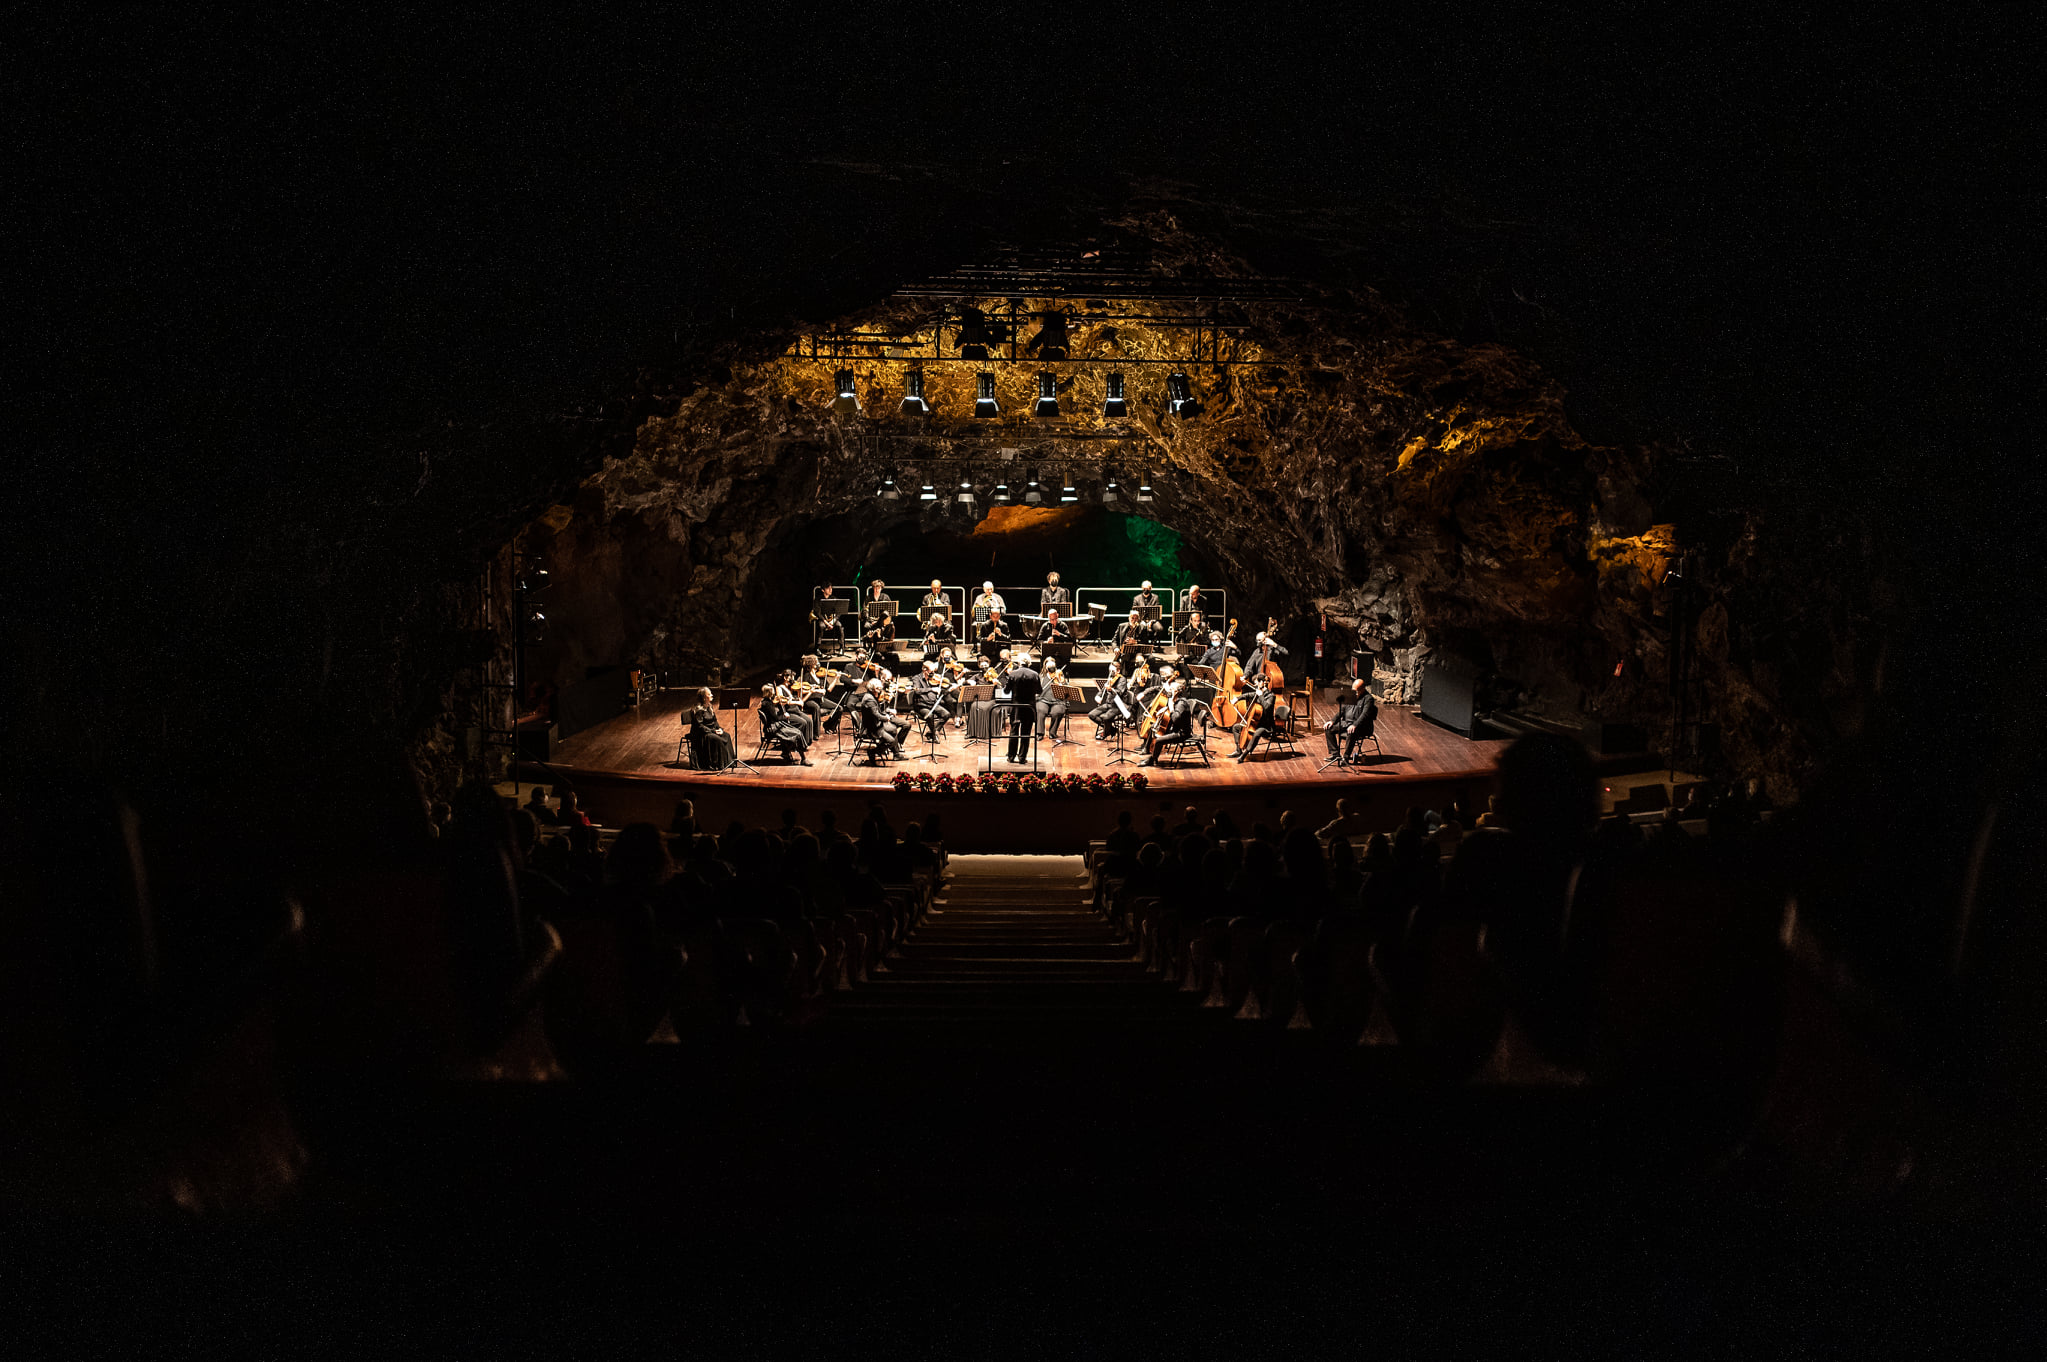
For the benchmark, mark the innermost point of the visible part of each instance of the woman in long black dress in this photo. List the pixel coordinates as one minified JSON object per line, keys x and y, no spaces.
{"x":710,"y":746}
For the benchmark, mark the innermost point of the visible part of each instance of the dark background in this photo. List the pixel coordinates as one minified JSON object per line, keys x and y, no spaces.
{"x":300,"y":291}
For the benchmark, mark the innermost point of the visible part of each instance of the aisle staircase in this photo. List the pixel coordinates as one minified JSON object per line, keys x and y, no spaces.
{"x":1013,"y":942}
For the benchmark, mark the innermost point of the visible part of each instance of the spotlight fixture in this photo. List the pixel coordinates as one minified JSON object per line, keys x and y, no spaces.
{"x":1033,"y":494}
{"x":1067,"y":491}
{"x":1002,"y":496}
{"x":534,"y":578}
{"x":966,"y":494}
{"x":1048,"y":403}
{"x":847,"y":403}
{"x":1051,"y":342}
{"x":984,"y":400}
{"x":1144,"y":487}
{"x":1181,"y":396}
{"x":535,"y":615}
{"x":1113,"y":406}
{"x":1109,"y":491}
{"x":913,"y":394}
{"x":927,"y":492}
{"x":977,"y":333}
{"x":887,"y":491}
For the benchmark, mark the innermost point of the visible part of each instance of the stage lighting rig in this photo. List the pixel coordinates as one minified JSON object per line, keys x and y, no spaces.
{"x":1002,"y":496}
{"x":847,"y":403}
{"x":1033,"y":494}
{"x":977,"y":334}
{"x":1114,"y":408}
{"x":984,"y":399}
{"x":887,"y":491}
{"x":1048,"y":401}
{"x":1051,"y":342}
{"x":1109,"y":491}
{"x":1180,"y":394}
{"x":927,"y":492}
{"x":1144,"y":487}
{"x":1067,"y":491}
{"x":913,"y":394}
{"x":966,"y":493}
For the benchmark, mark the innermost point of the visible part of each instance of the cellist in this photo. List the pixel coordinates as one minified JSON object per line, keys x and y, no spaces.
{"x":1263,"y":714}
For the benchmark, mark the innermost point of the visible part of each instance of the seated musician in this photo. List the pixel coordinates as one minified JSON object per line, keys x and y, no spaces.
{"x":1196,"y":630}
{"x":1050,"y":708}
{"x":880,"y":632}
{"x":1219,"y":650}
{"x":831,"y":626}
{"x":880,"y":606}
{"x":1054,"y":597}
{"x":1148,"y":684}
{"x":927,"y":698}
{"x":785,"y":726}
{"x":1192,"y":602}
{"x":992,"y":633}
{"x":1105,"y":713}
{"x":1263,"y":714}
{"x":1176,"y":722}
{"x":873,"y":709}
{"x":785,"y":694}
{"x":710,"y":746}
{"x":934,"y":599}
{"x":952,"y":675}
{"x":1145,"y":599}
{"x":1054,"y":630}
{"x":1352,"y":724}
{"x":816,"y":687}
{"x":938,"y":635}
{"x":1266,"y":648}
{"x":987,"y":603}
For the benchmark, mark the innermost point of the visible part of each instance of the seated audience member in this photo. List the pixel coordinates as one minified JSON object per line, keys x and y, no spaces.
{"x":1124,"y":841}
{"x":571,"y":814}
{"x":536,"y":804}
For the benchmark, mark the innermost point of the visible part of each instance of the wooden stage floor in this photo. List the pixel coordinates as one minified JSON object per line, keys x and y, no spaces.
{"x":642,"y":747}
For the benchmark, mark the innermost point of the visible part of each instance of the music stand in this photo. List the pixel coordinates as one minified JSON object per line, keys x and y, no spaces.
{"x":738,"y":699}
{"x":1144,"y":612}
{"x":907,"y":699}
{"x":1073,"y":698}
{"x":1124,"y":716}
{"x":1063,"y":652}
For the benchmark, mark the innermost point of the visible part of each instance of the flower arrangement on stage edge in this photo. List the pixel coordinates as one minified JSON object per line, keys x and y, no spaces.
{"x":945,"y":783}
{"x":903,"y":780}
{"x":927,"y":782}
{"x":1097,"y":782}
{"x":1117,"y":782}
{"x":1074,"y":784}
{"x":1031,"y":782}
{"x":1138,"y":780}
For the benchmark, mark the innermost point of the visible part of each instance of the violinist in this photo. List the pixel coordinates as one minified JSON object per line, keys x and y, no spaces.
{"x":927,"y":700}
{"x":784,"y":725}
{"x":938,"y":635}
{"x":1050,"y":708}
{"x":784,"y":686}
{"x":1263,"y":714}
{"x":816,"y":685}
{"x":873,"y":710}
{"x":1175,"y":721}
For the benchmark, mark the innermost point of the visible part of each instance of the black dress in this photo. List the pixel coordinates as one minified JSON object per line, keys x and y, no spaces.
{"x":710,"y":746}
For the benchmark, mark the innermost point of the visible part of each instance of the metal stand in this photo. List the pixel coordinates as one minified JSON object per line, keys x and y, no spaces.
{"x":930,"y":734}
{"x":738,"y":699}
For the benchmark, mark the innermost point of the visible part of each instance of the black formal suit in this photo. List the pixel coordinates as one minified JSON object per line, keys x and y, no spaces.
{"x":1352,"y":725}
{"x":927,"y":700}
{"x":1024,"y":686}
{"x":937,"y":640}
{"x":874,"y":721}
{"x":1261,"y":718}
{"x":1049,"y":632}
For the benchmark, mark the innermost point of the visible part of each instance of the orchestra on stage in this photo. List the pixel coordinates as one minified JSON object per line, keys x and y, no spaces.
{"x":1179,"y":677}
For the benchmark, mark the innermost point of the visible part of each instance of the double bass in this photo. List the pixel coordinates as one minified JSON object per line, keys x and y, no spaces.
{"x":1275,"y":679}
{"x":1225,"y":709}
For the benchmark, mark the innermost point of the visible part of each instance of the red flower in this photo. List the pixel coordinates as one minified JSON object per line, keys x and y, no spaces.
{"x":1138,"y":780}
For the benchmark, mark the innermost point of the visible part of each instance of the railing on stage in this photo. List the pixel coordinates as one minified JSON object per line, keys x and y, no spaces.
{"x":1020,"y":603}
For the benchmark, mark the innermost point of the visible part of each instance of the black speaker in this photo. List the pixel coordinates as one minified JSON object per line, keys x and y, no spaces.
{"x":536,"y":743}
{"x":1449,"y":692}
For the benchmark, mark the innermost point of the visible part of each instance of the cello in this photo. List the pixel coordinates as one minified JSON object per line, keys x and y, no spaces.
{"x":1229,"y":685}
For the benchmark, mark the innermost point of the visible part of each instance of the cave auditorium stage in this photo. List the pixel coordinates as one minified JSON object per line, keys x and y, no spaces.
{"x":624,"y":771}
